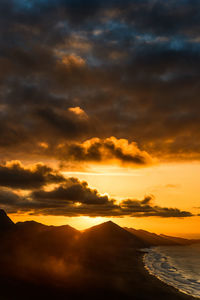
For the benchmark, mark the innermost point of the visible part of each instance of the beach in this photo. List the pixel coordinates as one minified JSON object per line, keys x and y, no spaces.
{"x":177,"y":266}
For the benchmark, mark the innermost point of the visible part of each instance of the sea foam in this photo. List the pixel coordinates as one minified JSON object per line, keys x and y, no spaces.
{"x":178,"y":266}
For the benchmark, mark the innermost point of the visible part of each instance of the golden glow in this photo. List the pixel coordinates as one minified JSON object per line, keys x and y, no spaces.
{"x":79,"y":223}
{"x":43,"y":145}
{"x":188,"y":227}
{"x":72,"y":59}
{"x":172,"y":184}
{"x":78,"y":112}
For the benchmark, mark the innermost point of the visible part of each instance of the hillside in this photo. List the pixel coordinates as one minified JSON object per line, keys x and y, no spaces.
{"x":49,"y":262}
{"x":152,"y":239}
{"x":111,"y":233}
{"x":5,"y":222}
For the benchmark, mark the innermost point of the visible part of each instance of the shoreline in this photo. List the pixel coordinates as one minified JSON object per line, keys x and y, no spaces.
{"x":165,"y":284}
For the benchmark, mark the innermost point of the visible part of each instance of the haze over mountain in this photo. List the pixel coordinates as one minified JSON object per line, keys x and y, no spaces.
{"x":60,"y":262}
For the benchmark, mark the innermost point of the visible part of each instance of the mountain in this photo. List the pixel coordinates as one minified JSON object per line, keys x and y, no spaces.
{"x":36,"y":228}
{"x":101,"y":246}
{"x":30,"y":227}
{"x":152,"y":239}
{"x":47,"y":240}
{"x":59,"y":262}
{"x":109,"y":233}
{"x":5,"y":222}
{"x":177,"y":240}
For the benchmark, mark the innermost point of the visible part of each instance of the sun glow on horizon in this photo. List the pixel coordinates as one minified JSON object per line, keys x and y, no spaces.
{"x":171,"y":184}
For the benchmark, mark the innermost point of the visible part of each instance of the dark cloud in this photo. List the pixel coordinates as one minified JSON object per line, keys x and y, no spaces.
{"x":145,"y":209}
{"x":132,"y":66}
{"x":72,"y":191}
{"x":104,"y":150}
{"x":15,"y":175}
{"x":75,"y":198}
{"x":9,"y":198}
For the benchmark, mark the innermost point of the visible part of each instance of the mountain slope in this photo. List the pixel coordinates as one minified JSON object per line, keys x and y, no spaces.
{"x":153,"y":239}
{"x":177,"y":240}
{"x":47,"y":240}
{"x":109,"y":233}
{"x":5,"y":222}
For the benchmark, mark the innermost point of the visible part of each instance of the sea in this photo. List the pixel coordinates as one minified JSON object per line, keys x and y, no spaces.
{"x":178,"y":266}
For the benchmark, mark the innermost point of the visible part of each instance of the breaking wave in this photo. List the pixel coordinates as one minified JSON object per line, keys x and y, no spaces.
{"x":178,"y":266}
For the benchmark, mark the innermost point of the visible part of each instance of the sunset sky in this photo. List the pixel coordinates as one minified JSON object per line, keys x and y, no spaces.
{"x":99,"y":113}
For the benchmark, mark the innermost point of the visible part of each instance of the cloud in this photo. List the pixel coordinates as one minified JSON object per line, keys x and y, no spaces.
{"x":9,"y":198}
{"x":78,"y":112}
{"x":105,"y":150}
{"x":14,"y":175}
{"x":131,"y":78}
{"x":72,"y":191}
{"x":75,"y":198}
{"x":144,"y":208}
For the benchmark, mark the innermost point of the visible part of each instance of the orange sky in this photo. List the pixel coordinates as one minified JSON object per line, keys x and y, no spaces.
{"x":101,"y":93}
{"x":172,"y":184}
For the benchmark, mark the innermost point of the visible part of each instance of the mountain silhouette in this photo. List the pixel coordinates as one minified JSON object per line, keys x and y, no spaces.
{"x":5,"y":222}
{"x":60,"y":262}
{"x":35,"y":227}
{"x":152,"y":239}
{"x":177,"y":240}
{"x":46,"y":240}
{"x":109,"y":233}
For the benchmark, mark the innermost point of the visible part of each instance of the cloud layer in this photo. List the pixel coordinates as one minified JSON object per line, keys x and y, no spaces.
{"x":131,"y":67}
{"x":13,"y":174}
{"x":104,"y":150}
{"x":69,"y":197}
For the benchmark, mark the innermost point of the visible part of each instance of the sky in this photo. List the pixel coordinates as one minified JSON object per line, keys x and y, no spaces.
{"x":99,"y":113}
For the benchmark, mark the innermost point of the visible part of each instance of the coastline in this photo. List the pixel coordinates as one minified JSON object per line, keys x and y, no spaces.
{"x":104,"y":264}
{"x":166,"y":286}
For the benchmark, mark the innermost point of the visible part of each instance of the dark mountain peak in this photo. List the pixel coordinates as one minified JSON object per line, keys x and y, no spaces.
{"x":111,"y":224}
{"x":66,"y":228}
{"x":108,"y":224}
{"x":5,"y":221}
{"x":2,"y":213}
{"x":30,"y":225}
{"x":110,"y":233}
{"x":35,"y":227}
{"x":106,"y":227}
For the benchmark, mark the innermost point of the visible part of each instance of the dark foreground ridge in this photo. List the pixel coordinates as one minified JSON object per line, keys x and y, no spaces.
{"x":103,"y":262}
{"x":5,"y":222}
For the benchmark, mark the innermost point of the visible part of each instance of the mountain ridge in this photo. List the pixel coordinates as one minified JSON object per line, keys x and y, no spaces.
{"x":5,"y":222}
{"x":106,"y":232}
{"x":110,"y":232}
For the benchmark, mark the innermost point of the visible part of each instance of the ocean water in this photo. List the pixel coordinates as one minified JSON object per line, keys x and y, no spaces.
{"x":178,"y":266}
